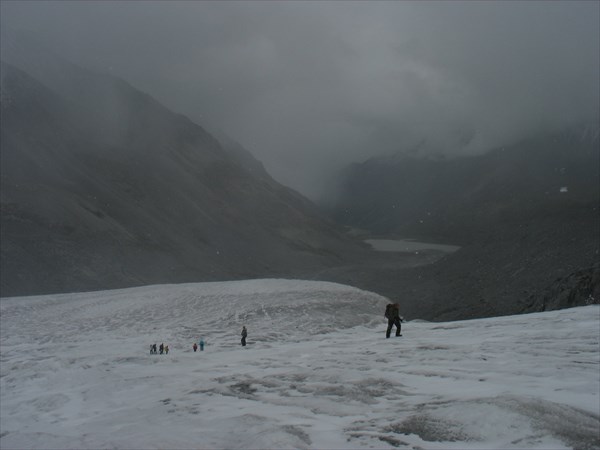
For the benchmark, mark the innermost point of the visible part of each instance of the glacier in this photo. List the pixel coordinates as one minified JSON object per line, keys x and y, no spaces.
{"x":318,"y":372}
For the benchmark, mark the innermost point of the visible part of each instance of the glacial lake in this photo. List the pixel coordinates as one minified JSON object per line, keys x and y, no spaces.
{"x":391,"y":245}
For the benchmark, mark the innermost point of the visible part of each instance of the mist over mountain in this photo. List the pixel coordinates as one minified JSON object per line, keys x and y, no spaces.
{"x":454,"y":198}
{"x":104,"y":187}
{"x":310,"y":86}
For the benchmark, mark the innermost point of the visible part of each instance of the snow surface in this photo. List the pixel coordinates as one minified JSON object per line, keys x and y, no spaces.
{"x":317,"y":373}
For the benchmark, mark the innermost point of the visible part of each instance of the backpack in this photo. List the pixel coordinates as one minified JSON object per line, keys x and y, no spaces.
{"x":391,"y":310}
{"x":388,"y":311}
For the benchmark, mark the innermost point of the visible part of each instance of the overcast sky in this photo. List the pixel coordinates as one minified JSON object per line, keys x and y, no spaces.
{"x":309,"y":86}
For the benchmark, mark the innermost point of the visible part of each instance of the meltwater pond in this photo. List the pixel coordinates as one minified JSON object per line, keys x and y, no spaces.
{"x":407,"y":245}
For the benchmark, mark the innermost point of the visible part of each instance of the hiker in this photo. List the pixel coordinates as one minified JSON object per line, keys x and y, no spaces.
{"x":392,"y":313}
{"x":166,"y":349}
{"x":161,"y":348}
{"x":201,"y":344}
{"x":244,"y":334}
{"x":195,"y":347}
{"x":151,"y":349}
{"x":154,"y":349}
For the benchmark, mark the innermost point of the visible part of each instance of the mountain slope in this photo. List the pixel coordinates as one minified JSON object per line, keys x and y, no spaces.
{"x":104,"y":187}
{"x":527,"y":217}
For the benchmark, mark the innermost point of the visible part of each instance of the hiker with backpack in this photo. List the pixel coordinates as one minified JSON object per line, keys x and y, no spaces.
{"x":392,"y":314}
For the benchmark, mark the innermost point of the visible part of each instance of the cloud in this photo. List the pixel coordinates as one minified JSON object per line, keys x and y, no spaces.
{"x":310,"y":86}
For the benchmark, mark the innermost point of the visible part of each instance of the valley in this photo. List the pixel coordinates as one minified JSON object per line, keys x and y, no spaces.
{"x":129,"y":193}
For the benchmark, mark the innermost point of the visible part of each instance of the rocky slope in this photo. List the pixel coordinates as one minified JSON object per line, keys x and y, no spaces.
{"x":526,"y":217}
{"x":103,"y":187}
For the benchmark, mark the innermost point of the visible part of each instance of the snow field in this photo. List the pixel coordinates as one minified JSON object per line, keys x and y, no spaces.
{"x":318,"y":372}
